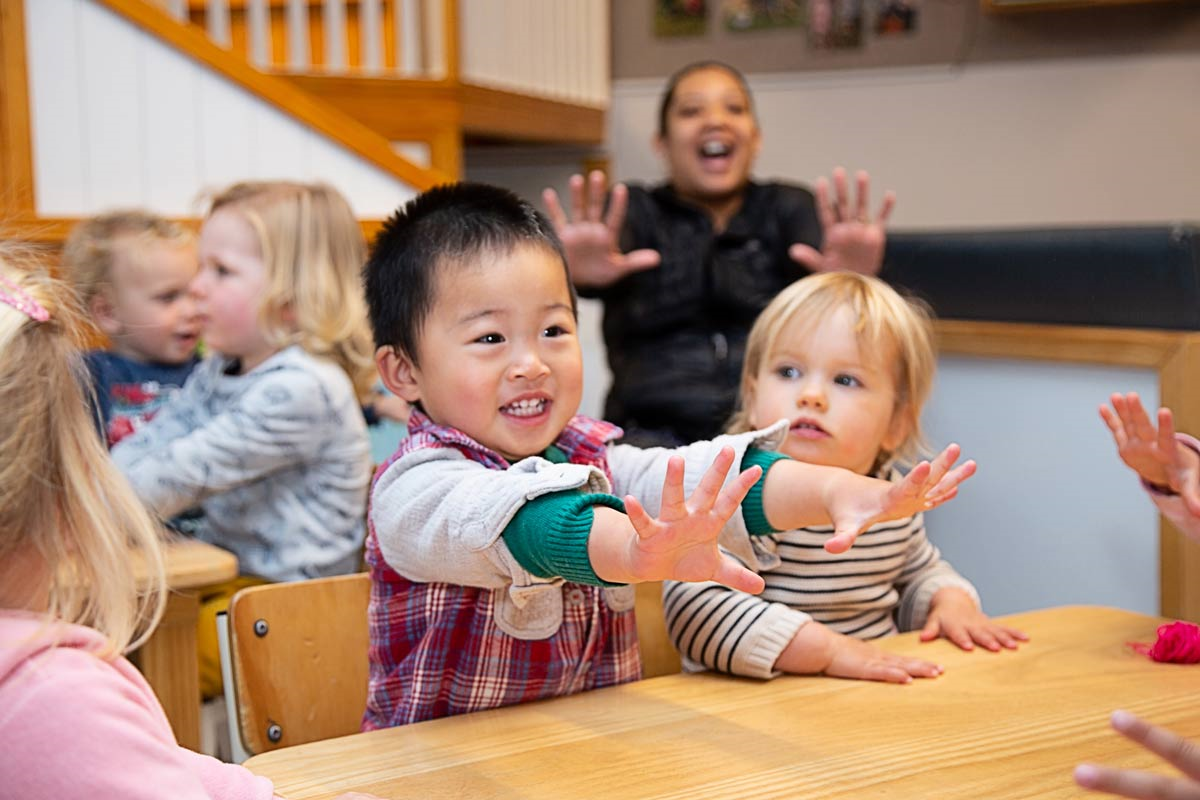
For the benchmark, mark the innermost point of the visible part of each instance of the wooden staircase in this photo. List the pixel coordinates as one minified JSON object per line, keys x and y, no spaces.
{"x":401,"y":84}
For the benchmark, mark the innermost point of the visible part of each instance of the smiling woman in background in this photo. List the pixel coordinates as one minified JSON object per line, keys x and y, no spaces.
{"x":683,"y":268}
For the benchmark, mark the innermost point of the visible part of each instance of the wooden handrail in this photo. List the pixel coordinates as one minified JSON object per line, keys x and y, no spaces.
{"x":279,"y":92}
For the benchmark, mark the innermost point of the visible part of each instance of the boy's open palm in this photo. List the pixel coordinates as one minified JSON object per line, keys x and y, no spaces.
{"x":682,"y":543}
{"x":928,"y":485}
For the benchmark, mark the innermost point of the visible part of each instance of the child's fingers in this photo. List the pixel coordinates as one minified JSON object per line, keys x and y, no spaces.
{"x":554,"y":209}
{"x":913,"y":483}
{"x":932,"y":630}
{"x":952,"y":479}
{"x":941,"y":465}
{"x":735,"y":576}
{"x":643,"y":523}
{"x":732,"y":495}
{"x":1177,"y":751}
{"x":674,"y":505}
{"x":714,"y":477}
{"x":842,"y":539}
{"x":1166,"y":434}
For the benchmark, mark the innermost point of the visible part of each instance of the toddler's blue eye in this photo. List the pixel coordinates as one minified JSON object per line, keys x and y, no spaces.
{"x":787,"y":372}
{"x":847,"y":380}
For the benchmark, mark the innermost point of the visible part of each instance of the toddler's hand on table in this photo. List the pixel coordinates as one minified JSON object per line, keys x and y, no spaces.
{"x":954,"y":615}
{"x":1177,"y":751}
{"x":851,"y":240}
{"x":927,"y":485}
{"x":682,"y":543}
{"x":817,"y":648}
{"x":594,"y":257}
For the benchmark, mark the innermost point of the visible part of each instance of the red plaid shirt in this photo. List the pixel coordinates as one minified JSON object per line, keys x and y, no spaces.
{"x":435,"y":647}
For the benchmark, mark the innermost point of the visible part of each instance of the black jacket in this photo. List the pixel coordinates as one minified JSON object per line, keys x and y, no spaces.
{"x":676,"y":334}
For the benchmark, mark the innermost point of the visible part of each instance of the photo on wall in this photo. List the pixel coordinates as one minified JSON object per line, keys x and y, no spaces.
{"x":759,"y":15}
{"x":896,"y":16}
{"x":680,"y":18}
{"x":835,"y":24}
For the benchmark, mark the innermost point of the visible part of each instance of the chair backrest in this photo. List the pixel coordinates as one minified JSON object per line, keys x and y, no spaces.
{"x":659,"y":656}
{"x":299,"y":660}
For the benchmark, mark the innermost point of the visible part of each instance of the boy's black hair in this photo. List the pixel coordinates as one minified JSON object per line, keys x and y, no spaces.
{"x":449,"y":224}
{"x":664,"y":103}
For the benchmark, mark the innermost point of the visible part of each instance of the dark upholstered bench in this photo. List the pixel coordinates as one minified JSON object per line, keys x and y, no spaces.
{"x":1126,"y":277}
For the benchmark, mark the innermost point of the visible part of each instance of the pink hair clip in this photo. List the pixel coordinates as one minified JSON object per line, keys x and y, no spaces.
{"x":13,"y":295}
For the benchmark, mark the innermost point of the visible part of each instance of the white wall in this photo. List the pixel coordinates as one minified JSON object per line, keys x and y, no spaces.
{"x":121,"y":120}
{"x":1052,"y":516}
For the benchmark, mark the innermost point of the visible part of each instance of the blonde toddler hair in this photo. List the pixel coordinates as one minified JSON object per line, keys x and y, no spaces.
{"x":94,"y":244}
{"x":887,"y":325}
{"x":313,"y":252}
{"x":62,"y":501}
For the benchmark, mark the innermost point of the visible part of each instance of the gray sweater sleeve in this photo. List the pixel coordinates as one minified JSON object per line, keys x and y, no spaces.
{"x":180,"y":459}
{"x":438,"y":516}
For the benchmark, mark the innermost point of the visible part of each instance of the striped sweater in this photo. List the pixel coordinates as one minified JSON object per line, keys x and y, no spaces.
{"x":882,"y":585}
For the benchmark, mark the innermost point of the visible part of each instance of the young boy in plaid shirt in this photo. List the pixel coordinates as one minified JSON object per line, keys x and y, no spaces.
{"x":500,"y":548}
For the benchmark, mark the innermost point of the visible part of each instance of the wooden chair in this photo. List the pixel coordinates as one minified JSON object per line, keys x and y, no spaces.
{"x":297,"y":655}
{"x":659,"y":656}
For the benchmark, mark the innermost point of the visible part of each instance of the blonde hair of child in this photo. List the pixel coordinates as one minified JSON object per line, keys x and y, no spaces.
{"x":94,"y":245}
{"x":887,"y":326}
{"x":62,"y":501}
{"x":313,"y":252}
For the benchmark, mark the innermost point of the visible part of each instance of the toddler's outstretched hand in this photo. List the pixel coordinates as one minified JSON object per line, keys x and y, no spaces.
{"x":1176,"y":750}
{"x":682,"y":543}
{"x":928,"y":485}
{"x":954,"y":615}
{"x":1154,"y":455}
{"x":593,"y":254}
{"x":852,"y":241}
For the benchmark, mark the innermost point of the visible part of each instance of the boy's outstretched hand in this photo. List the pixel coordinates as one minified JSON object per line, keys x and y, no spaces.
{"x":928,"y":485}
{"x":681,"y":544}
{"x":1154,"y":455}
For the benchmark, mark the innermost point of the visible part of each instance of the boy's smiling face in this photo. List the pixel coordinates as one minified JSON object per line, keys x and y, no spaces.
{"x":499,"y":354}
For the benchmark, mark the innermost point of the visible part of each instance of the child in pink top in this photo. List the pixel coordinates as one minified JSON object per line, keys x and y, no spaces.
{"x":76,"y":718}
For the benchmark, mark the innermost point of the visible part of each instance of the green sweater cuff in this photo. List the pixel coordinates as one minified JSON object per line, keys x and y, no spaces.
{"x":752,"y":506}
{"x":548,"y":536}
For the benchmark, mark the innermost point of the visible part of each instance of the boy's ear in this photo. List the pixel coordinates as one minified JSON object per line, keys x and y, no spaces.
{"x":102,"y":307}
{"x":398,"y":373}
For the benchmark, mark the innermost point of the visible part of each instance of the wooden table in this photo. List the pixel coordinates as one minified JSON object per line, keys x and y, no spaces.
{"x":1007,"y":725}
{"x":168,"y":658}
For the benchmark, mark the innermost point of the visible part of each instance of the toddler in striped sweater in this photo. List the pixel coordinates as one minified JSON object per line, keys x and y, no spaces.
{"x":849,"y":363}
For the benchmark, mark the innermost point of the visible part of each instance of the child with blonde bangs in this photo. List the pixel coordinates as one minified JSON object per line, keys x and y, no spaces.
{"x":78,"y":720}
{"x":132,"y":270}
{"x":267,"y":436}
{"x":848,"y":363}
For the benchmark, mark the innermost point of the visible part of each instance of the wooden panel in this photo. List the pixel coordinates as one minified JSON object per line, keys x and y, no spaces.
{"x":1175,"y":355}
{"x":497,"y":113}
{"x":16,"y":154}
{"x":307,"y":672}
